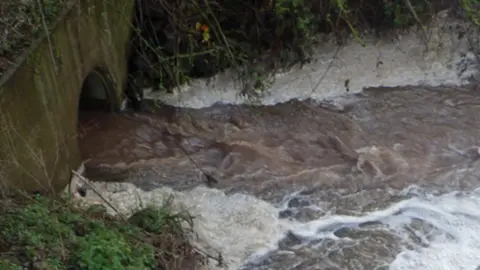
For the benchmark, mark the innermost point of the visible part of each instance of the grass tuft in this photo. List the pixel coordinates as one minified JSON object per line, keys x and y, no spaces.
{"x":52,"y":234}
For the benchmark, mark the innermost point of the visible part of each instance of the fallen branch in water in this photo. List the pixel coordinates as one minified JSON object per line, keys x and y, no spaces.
{"x":99,"y":194}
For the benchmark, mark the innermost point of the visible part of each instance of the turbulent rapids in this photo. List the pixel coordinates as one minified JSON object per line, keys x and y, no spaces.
{"x":381,"y":178}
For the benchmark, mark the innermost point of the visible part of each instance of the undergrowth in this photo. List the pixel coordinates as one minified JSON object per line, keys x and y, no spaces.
{"x":179,"y":40}
{"x":51,"y":234}
{"x":175,"y":41}
{"x":21,"y":22}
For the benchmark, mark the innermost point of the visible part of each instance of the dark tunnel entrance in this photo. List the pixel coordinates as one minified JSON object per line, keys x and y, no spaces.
{"x":96,"y":103}
{"x":96,"y":93}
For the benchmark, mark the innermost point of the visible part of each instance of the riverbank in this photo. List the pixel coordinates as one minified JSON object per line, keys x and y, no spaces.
{"x":53,"y":234}
{"x":175,"y":43}
{"x":51,"y":213}
{"x":81,"y":229}
{"x":66,"y":232}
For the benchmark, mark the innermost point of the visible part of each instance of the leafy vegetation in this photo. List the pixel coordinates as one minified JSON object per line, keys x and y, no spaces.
{"x":174,"y":41}
{"x":179,"y":40}
{"x":21,"y":22}
{"x":50,"y":234}
{"x":472,"y":9}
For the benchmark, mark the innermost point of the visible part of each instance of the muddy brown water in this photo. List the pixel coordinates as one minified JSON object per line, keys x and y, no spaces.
{"x":343,"y":157}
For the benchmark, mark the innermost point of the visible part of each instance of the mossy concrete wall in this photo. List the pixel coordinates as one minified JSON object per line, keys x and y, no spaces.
{"x":39,"y":98}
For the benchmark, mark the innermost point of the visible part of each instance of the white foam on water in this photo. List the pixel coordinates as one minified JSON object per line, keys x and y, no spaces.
{"x":454,"y":245}
{"x":240,"y":226}
{"x":459,"y":217}
{"x":410,"y":58}
{"x":236,"y":226}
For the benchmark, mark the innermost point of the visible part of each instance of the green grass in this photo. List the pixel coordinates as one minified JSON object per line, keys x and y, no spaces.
{"x":52,"y":234}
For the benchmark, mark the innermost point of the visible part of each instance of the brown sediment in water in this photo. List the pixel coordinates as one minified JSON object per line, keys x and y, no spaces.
{"x":388,"y":138}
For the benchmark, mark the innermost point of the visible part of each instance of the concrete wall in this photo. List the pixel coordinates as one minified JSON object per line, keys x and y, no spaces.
{"x":39,"y":99}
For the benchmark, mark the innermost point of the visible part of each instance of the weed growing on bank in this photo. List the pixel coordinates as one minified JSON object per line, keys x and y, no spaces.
{"x":176,"y":41}
{"x":21,"y":22}
{"x":472,"y":10}
{"x":53,"y":234}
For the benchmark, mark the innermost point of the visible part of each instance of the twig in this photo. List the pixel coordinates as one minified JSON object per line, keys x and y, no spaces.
{"x":220,"y":30}
{"x":210,"y":179}
{"x":414,"y":13}
{"x":47,"y":34}
{"x":219,"y":259}
{"x":99,"y":194}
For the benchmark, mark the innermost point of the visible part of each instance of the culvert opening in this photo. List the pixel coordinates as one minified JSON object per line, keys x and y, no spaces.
{"x":96,"y":102}
{"x":96,"y":93}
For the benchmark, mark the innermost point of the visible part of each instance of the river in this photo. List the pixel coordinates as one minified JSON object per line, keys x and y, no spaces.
{"x":384,"y":176}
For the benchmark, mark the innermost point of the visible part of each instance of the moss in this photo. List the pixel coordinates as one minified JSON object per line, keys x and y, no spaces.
{"x":52,"y":234}
{"x":22,"y":22}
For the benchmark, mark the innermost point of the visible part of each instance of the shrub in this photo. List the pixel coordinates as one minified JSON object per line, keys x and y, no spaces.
{"x":49,"y":234}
